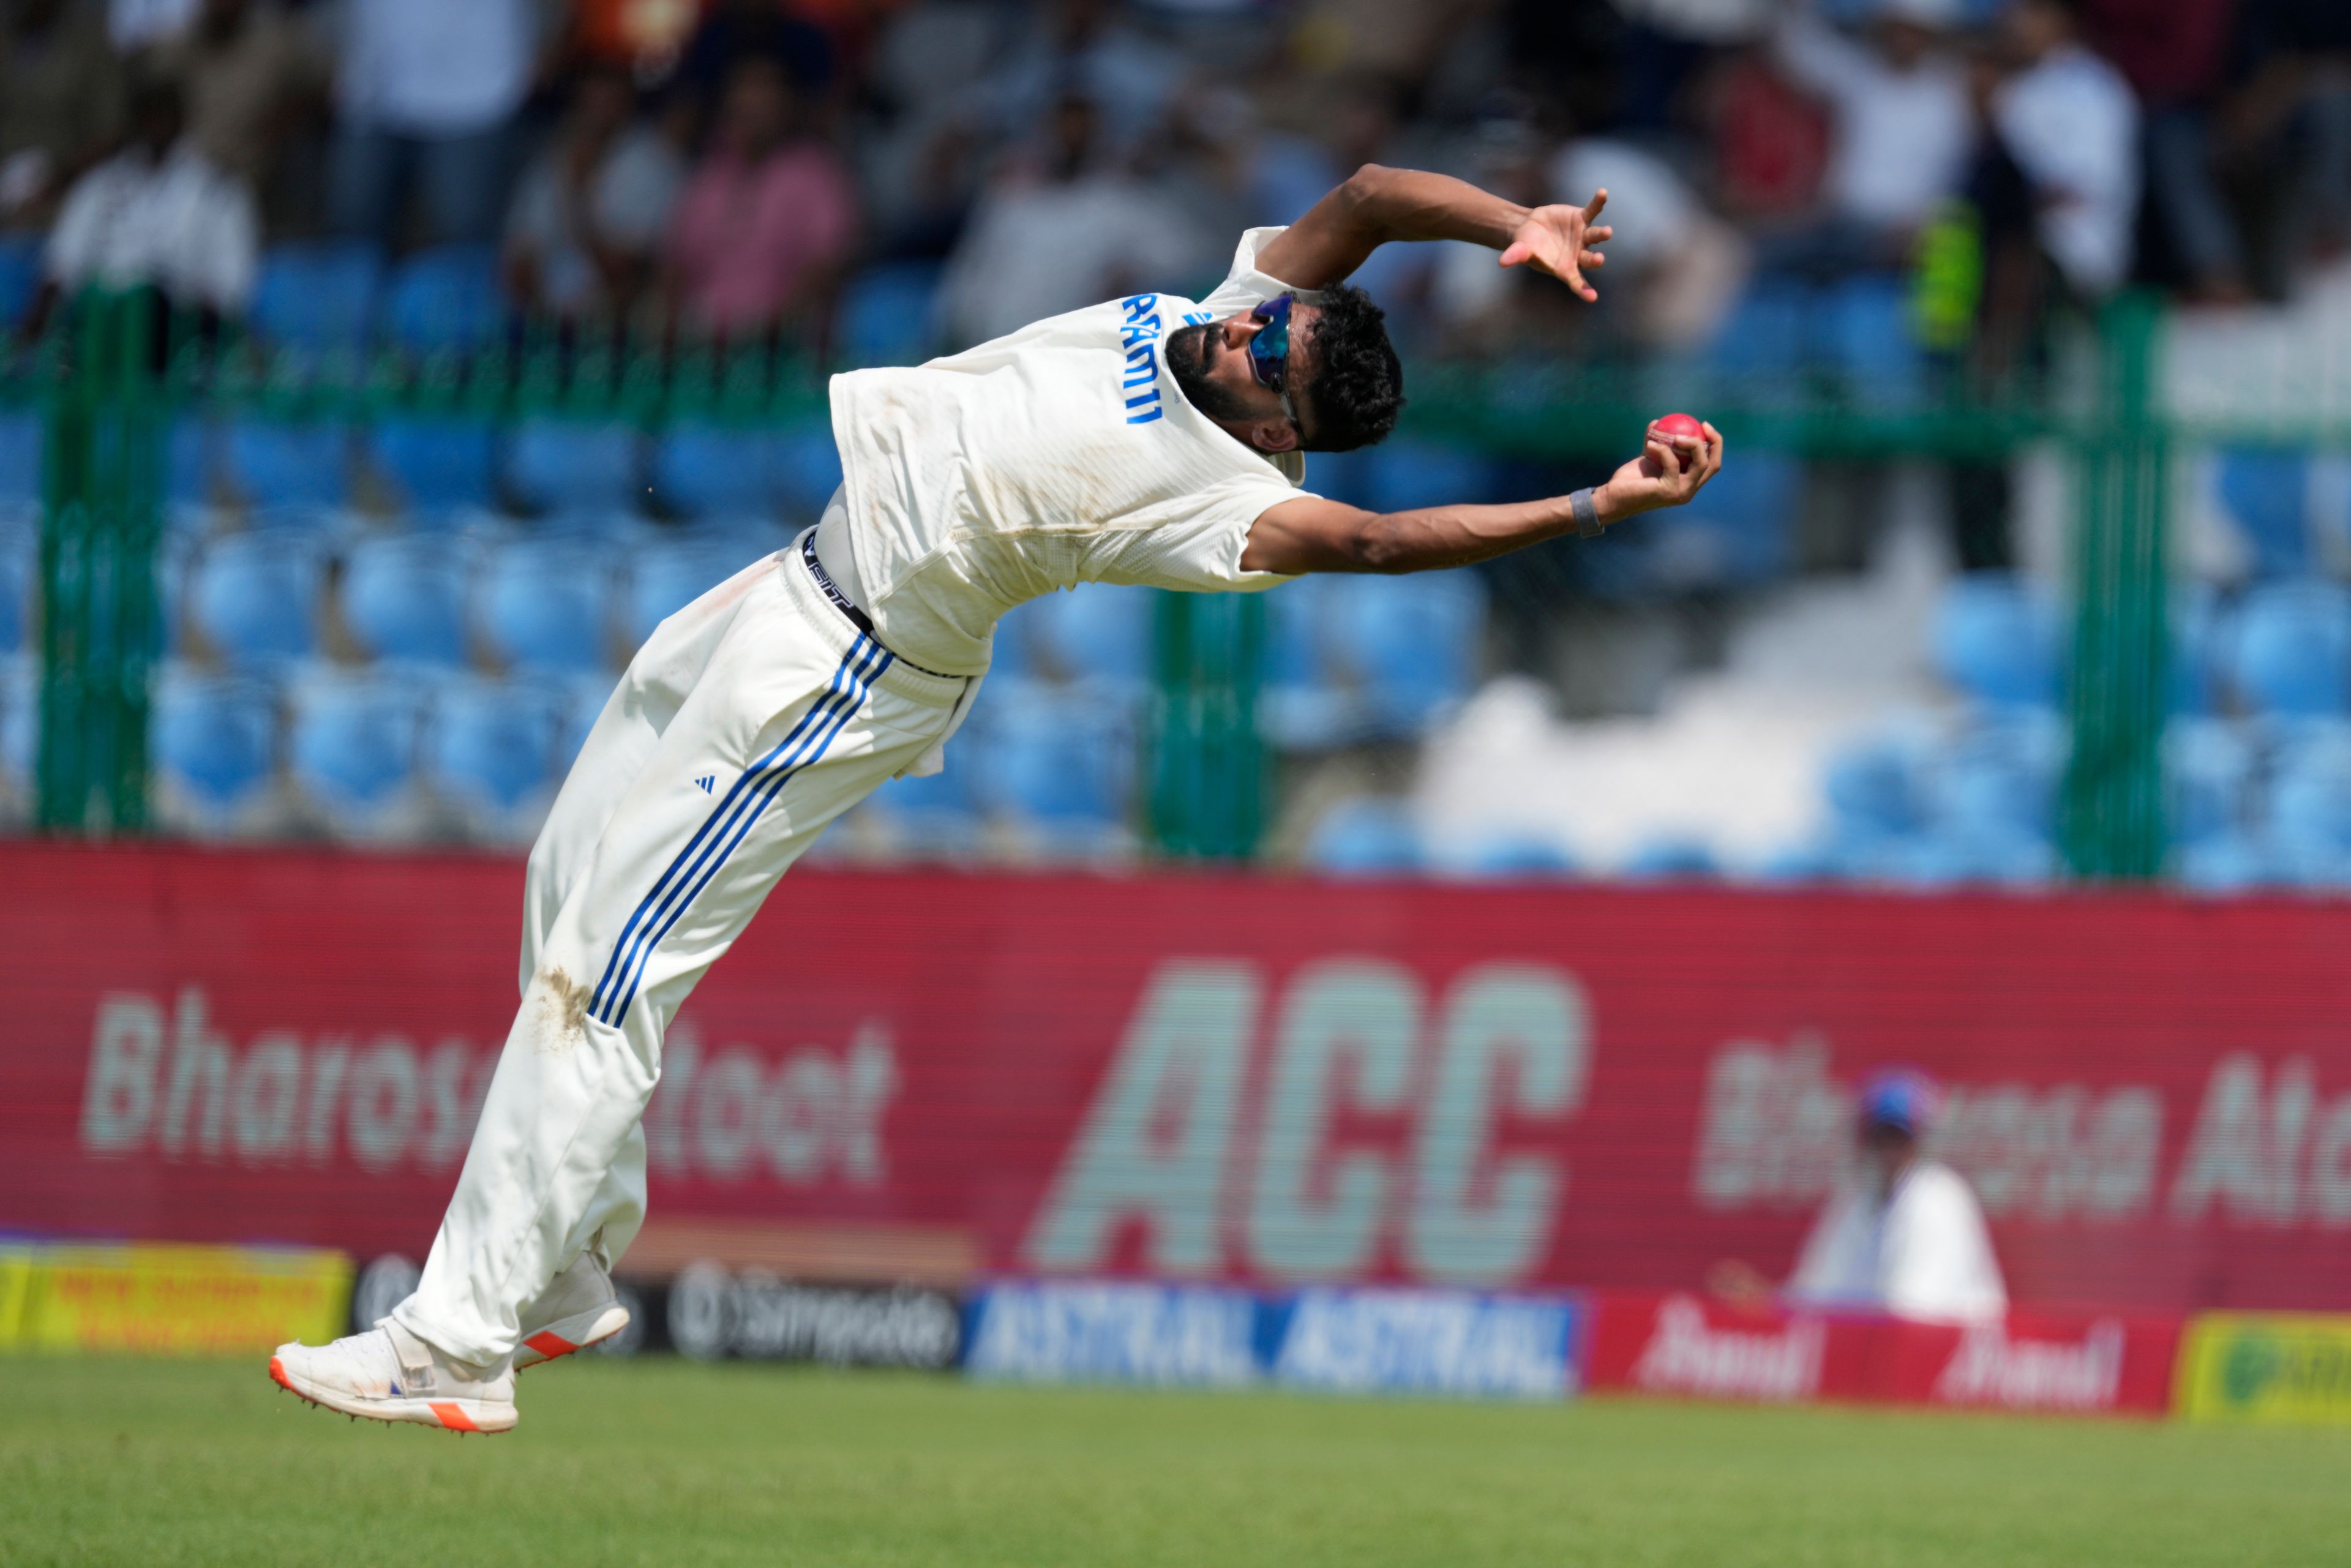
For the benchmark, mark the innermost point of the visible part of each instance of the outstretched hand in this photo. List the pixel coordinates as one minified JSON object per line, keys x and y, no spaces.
{"x":1669,"y":470}
{"x":1558,"y":240}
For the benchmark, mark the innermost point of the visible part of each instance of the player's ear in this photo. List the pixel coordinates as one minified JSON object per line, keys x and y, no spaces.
{"x":1273,"y":435}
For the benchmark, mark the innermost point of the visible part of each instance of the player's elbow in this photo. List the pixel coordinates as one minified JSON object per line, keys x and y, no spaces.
{"x":1361,"y":190}
{"x":1378,"y":546}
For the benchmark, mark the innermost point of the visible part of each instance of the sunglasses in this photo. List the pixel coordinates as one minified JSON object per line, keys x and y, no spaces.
{"x":1269,"y":352}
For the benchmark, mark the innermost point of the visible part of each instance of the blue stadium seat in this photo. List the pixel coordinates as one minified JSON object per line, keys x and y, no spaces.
{"x":1095,"y":632}
{"x":2225,"y":863}
{"x":1954,"y":858}
{"x":215,"y":740}
{"x":1997,"y":640}
{"x":805,"y":467}
{"x":20,"y":543}
{"x":579,"y":699}
{"x":2208,"y":779}
{"x":2309,"y":808}
{"x":20,"y":277}
{"x":320,"y":297}
{"x":1737,"y":532}
{"x":446,"y":298}
{"x":1405,"y":476}
{"x":2195,"y":623}
{"x":889,"y":314}
{"x":1063,"y":763}
{"x":1765,"y":333}
{"x":1414,"y":643}
{"x":938,"y":815}
{"x":1671,"y":857}
{"x":542,"y":603}
{"x":20,"y":723}
{"x":2268,"y":495}
{"x":20,"y":457}
{"x":705,"y":470}
{"x":1364,"y":837}
{"x":489,"y":748}
{"x":188,"y":463}
{"x":558,"y":465}
{"x":280,"y":465}
{"x":1874,"y":786}
{"x":1999,"y":774}
{"x":2288,"y":649}
{"x":403,"y":597}
{"x":1510,"y":856}
{"x":437,"y":466}
{"x":1863,"y":326}
{"x":671,"y":573}
{"x":255,"y":596}
{"x":353,"y":749}
{"x":1300,"y":707}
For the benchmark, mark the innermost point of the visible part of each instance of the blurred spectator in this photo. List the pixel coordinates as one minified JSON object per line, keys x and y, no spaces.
{"x":1902,"y":126}
{"x":61,"y":104}
{"x":1674,"y":267}
{"x":427,"y":92}
{"x":2065,"y":122}
{"x":2291,"y":121}
{"x":1771,"y":144}
{"x":645,"y":38}
{"x":1903,"y":1234}
{"x":159,"y":212}
{"x":1083,"y":49}
{"x":135,"y":25}
{"x":2176,"y":53}
{"x":1070,"y":230}
{"x":766,"y":218}
{"x":246,"y":69}
{"x":739,"y":30}
{"x":590,"y":213}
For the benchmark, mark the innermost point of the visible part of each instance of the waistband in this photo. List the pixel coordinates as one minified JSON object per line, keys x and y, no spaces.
{"x":843,"y":625}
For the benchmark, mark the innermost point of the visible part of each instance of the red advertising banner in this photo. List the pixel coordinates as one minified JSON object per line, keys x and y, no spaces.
{"x":1683,"y":1345}
{"x":1263,"y":1081}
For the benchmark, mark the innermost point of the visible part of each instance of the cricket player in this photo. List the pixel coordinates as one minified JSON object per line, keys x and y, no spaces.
{"x":1150,"y":440}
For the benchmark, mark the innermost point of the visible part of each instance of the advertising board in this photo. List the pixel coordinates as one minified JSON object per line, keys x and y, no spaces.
{"x":1272,"y":1085}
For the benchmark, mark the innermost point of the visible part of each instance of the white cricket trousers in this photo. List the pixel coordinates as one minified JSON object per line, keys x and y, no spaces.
{"x":749,"y":720}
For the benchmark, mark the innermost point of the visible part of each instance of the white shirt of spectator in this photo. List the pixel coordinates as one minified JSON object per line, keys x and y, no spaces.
{"x":181,"y":224}
{"x":1059,"y":455}
{"x":2072,"y":124}
{"x":629,"y":197}
{"x":435,"y":68}
{"x":1901,"y":140}
{"x":1922,"y":1253}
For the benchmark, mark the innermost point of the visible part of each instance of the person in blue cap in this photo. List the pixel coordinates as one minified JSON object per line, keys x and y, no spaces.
{"x":1902,"y":1234}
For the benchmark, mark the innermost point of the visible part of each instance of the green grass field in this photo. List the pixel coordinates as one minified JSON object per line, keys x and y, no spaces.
{"x":659,"y":1461}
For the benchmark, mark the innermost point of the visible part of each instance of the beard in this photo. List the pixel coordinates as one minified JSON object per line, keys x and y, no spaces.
{"x":1188,"y":353}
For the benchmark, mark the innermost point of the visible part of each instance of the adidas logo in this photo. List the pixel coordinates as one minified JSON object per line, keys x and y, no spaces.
{"x":705,"y":781}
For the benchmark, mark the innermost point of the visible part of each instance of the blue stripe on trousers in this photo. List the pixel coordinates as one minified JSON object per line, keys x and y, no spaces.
{"x":659,"y":900}
{"x":762,"y":797}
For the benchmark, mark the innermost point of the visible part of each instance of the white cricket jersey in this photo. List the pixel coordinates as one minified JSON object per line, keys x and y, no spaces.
{"x":1059,"y":455}
{"x":1923,"y":1253}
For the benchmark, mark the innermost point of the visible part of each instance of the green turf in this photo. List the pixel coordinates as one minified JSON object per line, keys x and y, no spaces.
{"x":658,"y":1461}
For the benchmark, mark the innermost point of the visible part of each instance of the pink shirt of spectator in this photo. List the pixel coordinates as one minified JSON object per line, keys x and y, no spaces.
{"x":749,"y":237}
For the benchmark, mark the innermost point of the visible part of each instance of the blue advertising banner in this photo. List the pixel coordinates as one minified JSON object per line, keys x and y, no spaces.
{"x":1342,"y":1341}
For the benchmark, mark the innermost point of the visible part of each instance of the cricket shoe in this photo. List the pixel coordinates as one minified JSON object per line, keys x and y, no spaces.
{"x":389,"y":1374}
{"x":579,"y":1309}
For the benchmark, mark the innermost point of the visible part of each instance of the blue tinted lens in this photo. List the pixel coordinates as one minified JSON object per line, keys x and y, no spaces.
{"x":1271,"y":347}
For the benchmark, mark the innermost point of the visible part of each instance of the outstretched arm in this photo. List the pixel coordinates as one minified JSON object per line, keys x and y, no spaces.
{"x":1312,"y":534}
{"x":1377,"y":205}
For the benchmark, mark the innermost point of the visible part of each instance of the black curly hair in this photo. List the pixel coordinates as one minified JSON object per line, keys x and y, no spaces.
{"x":1355,"y":382}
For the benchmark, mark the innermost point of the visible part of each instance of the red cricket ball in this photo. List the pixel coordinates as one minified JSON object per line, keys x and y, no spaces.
{"x":1674,"y":425}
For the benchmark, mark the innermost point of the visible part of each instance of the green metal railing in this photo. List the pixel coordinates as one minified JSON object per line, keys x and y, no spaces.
{"x":122,"y":369}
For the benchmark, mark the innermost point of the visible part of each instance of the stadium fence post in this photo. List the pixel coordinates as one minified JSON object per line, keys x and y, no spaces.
{"x":2111,"y":823}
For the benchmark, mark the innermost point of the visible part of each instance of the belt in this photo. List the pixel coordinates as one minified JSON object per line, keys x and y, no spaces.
{"x":847,"y":606}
